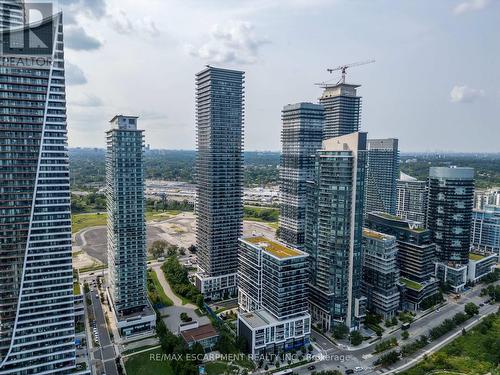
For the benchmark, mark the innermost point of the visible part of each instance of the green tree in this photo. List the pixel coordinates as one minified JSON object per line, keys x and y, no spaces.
{"x":405,"y":335}
{"x":356,"y":338}
{"x":340,"y":331}
{"x":199,"y":301}
{"x":471,"y":309}
{"x":158,"y":247}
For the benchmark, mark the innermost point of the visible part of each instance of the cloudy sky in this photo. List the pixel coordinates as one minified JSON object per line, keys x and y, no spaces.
{"x":435,"y":84}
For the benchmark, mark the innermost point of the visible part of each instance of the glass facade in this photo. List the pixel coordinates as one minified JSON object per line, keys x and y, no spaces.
{"x":37,"y":329}
{"x":300,"y":139}
{"x":380,"y":273}
{"x":449,"y":212}
{"x":126,"y":220}
{"x":11,"y":13}
{"x":486,"y":229}
{"x":273,"y":280}
{"x":334,"y":221}
{"x":416,"y":251}
{"x":219,"y":172}
{"x":411,"y":198}
{"x":382,"y":172}
{"x":342,"y":110}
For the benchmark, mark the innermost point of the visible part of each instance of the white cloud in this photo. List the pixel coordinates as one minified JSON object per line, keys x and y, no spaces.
{"x":94,"y":9}
{"x":465,"y":94}
{"x":86,"y":100}
{"x":78,"y":39}
{"x":233,"y":42}
{"x":74,"y":75}
{"x":140,"y":26}
{"x":470,"y":6}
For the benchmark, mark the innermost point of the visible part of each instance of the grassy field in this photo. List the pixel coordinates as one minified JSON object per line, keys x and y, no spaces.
{"x":216,"y":368}
{"x":141,"y":364}
{"x":159,"y":289}
{"x":476,"y":352}
{"x":160,"y":216}
{"x":82,"y":221}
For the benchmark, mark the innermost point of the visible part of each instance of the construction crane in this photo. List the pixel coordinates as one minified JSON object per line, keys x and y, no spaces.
{"x":343,"y":68}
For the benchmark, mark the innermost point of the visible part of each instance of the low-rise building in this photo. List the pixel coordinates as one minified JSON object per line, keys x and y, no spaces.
{"x":414,"y":293}
{"x":452,"y":274}
{"x":480,"y":265}
{"x":266,"y":335}
{"x":272,"y":296}
{"x":485,"y":234}
{"x":205,"y":335}
{"x":380,"y":273}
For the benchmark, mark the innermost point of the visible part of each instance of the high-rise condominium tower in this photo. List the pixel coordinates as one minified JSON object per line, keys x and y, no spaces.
{"x":126,"y":224}
{"x":342,"y":109}
{"x":449,"y":211}
{"x":412,"y":198}
{"x":382,"y":172}
{"x":219,"y":175}
{"x":11,"y":13}
{"x":37,"y":328}
{"x":334,"y":223}
{"x":380,"y":273}
{"x":300,"y":139}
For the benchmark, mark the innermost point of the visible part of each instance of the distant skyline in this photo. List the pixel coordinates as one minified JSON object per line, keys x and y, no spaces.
{"x":435,"y":85}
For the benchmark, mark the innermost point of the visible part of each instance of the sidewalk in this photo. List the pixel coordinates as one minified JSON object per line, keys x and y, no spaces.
{"x":168,"y":290}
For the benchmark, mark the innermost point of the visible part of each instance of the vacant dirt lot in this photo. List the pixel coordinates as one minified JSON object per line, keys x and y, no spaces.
{"x":90,"y":243}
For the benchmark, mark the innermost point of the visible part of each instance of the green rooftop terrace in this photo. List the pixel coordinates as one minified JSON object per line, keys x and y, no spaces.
{"x":475,"y":256}
{"x":76,"y":289}
{"x":410,"y":284}
{"x":272,"y":247}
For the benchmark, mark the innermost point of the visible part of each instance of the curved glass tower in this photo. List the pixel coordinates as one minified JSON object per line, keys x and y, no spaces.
{"x":37,"y":331}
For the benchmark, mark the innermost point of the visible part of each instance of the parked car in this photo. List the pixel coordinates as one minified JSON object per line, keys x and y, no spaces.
{"x":349,"y":371}
{"x":311,"y":368}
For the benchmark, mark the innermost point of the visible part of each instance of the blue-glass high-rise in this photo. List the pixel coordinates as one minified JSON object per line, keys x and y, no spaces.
{"x":334,"y":225}
{"x":300,"y":139}
{"x":219,"y":178}
{"x":382,"y":172}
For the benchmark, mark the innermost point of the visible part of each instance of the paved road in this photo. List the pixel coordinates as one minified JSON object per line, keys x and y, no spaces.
{"x":93,"y":240}
{"x":107,"y":350}
{"x":341,"y":359}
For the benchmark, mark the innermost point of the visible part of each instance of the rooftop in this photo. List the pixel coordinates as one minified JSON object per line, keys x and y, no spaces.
{"x":76,"y":288}
{"x":410,"y":284}
{"x":273,"y":247}
{"x":258,"y":319}
{"x":202,"y":332}
{"x":475,"y":256}
{"x":375,"y":235}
